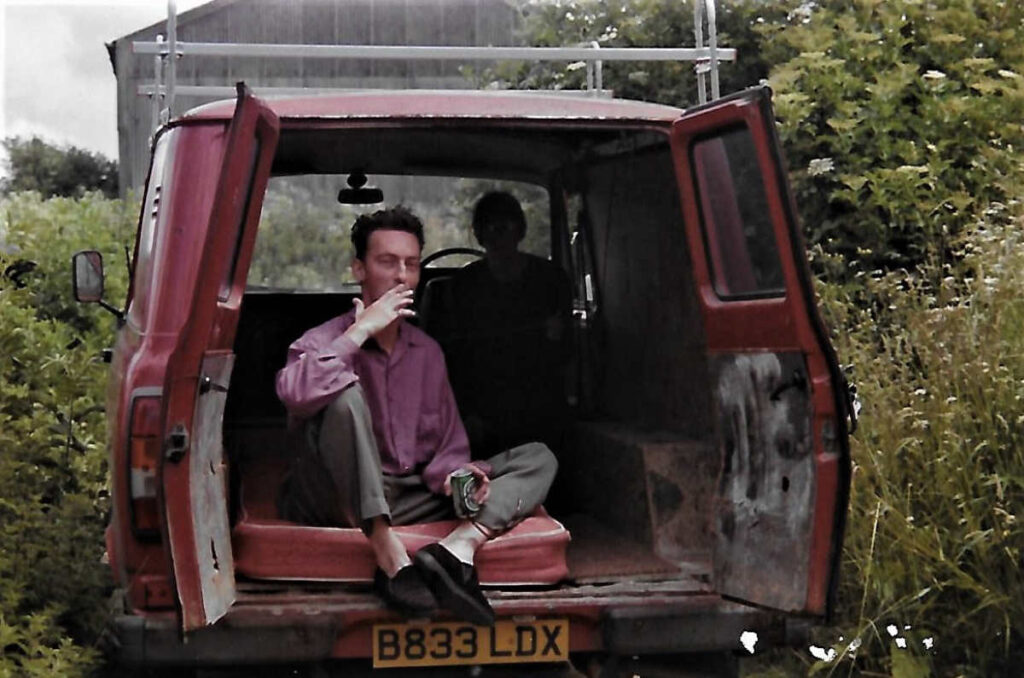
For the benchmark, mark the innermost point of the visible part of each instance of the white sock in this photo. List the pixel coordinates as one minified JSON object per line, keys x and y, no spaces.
{"x":459,"y":548}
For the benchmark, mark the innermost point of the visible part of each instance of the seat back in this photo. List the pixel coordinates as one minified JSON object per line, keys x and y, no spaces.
{"x":437,"y":308}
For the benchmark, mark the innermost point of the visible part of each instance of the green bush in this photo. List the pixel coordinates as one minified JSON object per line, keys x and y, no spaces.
{"x":53,"y":475}
{"x":900,"y":120}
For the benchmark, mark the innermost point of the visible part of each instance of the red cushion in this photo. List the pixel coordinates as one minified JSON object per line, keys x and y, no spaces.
{"x":265,"y":547}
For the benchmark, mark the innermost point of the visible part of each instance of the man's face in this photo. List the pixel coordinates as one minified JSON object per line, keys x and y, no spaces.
{"x":499,"y":235}
{"x":392,"y":259}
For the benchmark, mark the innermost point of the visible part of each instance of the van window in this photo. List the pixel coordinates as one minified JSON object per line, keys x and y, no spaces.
{"x":303,"y":242}
{"x":158,"y":186}
{"x":738,"y":229}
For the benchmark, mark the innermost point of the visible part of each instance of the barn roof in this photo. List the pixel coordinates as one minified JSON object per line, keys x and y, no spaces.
{"x":160,"y":27}
{"x":184,"y":18}
{"x":439,"y":104}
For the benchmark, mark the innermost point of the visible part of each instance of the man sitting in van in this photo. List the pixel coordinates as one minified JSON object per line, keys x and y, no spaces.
{"x":383,"y":434}
{"x":510,"y":342}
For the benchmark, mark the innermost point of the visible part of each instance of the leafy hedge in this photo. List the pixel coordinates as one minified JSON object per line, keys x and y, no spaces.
{"x":902,"y":122}
{"x":53,"y":479}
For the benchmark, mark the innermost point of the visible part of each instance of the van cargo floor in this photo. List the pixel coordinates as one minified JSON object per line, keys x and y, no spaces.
{"x":598,"y":554}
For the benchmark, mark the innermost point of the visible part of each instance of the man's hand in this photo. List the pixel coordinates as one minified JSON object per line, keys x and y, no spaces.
{"x":483,"y":483}
{"x":394,"y":304}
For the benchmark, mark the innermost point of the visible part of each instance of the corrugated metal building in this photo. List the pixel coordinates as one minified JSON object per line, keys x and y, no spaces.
{"x":342,"y":22}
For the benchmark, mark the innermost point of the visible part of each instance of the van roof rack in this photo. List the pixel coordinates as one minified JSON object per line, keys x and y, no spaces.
{"x":165,"y":88}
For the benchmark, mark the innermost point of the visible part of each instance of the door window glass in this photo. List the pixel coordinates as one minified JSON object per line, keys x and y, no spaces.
{"x":240,"y":218}
{"x":737,"y":224}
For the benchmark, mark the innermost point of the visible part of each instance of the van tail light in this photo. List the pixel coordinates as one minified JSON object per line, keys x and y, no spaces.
{"x":143,"y":457}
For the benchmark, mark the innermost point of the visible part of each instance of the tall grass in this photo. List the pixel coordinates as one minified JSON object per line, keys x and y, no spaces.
{"x":932,"y":580}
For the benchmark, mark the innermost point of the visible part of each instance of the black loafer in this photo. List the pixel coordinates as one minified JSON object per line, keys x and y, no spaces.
{"x":406,"y":592}
{"x":455,"y":584}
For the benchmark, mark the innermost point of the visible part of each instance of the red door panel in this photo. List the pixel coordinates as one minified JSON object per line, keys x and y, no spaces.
{"x":779,"y":394}
{"x":194,"y":494}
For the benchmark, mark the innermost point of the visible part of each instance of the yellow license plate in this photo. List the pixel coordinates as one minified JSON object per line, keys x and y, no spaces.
{"x":449,"y":643}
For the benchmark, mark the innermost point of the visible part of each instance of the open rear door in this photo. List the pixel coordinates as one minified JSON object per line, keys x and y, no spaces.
{"x":779,"y":394}
{"x":193,"y":471}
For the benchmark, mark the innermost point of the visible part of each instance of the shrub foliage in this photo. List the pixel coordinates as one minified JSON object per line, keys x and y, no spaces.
{"x":900,"y":119}
{"x":53,"y":480}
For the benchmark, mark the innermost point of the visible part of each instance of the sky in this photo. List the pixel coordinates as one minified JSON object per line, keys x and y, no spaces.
{"x":55,"y":75}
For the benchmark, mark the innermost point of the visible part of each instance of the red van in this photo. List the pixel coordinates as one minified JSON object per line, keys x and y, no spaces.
{"x":703,"y":457}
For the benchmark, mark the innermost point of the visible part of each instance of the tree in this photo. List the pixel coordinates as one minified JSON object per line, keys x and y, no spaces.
{"x":68,"y":171}
{"x":638,"y":23}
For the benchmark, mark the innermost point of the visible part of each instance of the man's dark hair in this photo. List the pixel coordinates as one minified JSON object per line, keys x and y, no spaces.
{"x":498,"y":206}
{"x":397,"y":218}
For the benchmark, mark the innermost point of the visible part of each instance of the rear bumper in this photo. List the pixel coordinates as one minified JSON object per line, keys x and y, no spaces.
{"x":291,"y":628}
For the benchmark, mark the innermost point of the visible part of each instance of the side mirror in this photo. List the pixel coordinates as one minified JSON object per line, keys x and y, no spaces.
{"x":87,"y":281}
{"x":87,"y":276}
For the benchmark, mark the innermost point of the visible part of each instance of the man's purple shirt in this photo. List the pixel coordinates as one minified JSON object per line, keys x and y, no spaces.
{"x":415,"y":419}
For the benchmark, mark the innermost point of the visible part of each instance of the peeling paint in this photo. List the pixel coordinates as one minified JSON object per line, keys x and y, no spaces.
{"x":766,"y":488}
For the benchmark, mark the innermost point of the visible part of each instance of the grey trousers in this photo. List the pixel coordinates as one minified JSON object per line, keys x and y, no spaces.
{"x":336,"y":478}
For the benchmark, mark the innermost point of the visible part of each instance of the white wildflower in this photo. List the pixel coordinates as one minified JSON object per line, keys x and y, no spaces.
{"x":819,"y":166}
{"x":822,"y":654}
{"x":749,"y":640}
{"x":928,"y":642}
{"x":934,"y":75}
{"x":893,"y":631}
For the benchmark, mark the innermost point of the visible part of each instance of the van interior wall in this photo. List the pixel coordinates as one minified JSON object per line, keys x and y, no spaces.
{"x":651,"y":446}
{"x":653,"y":370}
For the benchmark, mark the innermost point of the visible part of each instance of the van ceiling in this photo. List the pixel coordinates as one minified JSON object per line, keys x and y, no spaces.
{"x":487,"y":151}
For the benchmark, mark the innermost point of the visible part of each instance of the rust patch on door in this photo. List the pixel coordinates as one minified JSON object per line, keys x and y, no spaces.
{"x":208,"y":470}
{"x":766,"y":487}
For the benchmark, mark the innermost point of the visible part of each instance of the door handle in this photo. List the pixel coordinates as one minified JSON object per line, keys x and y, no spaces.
{"x":206,"y":384}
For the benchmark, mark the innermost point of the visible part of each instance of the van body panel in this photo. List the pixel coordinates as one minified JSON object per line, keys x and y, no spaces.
{"x":451,"y":104}
{"x":275,"y":628}
{"x":776,"y":376}
{"x":192,"y":464}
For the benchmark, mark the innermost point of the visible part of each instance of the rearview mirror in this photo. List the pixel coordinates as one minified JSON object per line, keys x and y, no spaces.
{"x":87,"y":276}
{"x":358,"y":193}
